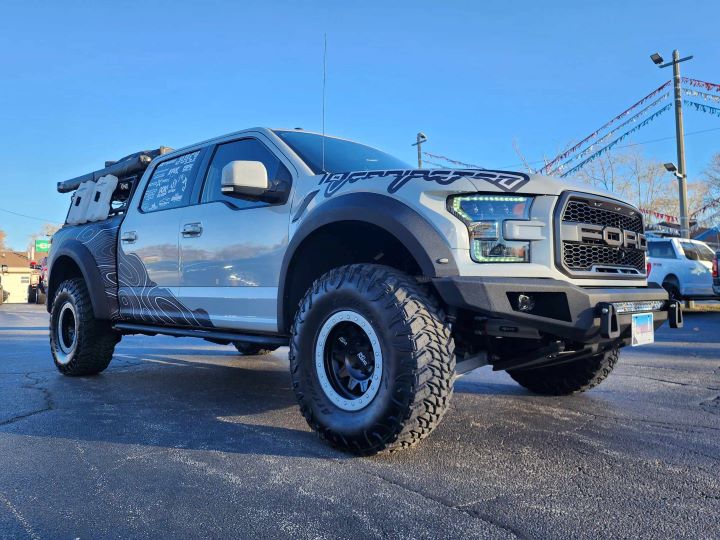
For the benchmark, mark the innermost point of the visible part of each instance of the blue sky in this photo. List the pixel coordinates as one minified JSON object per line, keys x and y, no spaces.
{"x":83,"y":82}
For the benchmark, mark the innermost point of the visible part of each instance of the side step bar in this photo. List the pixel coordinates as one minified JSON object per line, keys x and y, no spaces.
{"x":210,"y":335}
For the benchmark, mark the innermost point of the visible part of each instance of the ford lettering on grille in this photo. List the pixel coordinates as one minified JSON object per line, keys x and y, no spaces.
{"x":600,"y":237}
{"x":612,"y":236}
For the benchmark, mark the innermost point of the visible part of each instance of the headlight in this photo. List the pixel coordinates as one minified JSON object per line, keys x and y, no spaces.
{"x":484,"y":216}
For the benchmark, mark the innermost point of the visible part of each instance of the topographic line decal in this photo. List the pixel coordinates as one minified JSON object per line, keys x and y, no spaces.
{"x":506,"y":181}
{"x":141,"y":299}
{"x":101,"y":239}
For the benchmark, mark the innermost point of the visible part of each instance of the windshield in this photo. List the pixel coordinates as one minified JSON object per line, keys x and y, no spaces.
{"x":340,"y":155}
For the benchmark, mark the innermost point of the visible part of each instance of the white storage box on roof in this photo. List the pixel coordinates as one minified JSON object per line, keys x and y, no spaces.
{"x":80,"y":202}
{"x":99,"y":205}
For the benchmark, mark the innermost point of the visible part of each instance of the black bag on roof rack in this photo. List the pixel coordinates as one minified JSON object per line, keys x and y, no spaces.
{"x":132,"y":165}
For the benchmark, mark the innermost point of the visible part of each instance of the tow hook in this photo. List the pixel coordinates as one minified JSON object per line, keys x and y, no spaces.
{"x":675,"y":314}
{"x":609,"y":326}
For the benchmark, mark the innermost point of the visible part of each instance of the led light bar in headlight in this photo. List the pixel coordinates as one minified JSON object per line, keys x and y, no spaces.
{"x":484,"y":216}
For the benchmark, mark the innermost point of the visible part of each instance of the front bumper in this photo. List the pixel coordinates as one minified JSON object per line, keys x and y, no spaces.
{"x":561,"y":309}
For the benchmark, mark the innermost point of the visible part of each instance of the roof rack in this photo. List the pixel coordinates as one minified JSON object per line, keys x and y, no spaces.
{"x":132,"y":165}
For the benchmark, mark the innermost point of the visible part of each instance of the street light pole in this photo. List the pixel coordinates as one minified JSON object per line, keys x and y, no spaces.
{"x":421,"y":138}
{"x":680,"y":140}
{"x":679,"y":137}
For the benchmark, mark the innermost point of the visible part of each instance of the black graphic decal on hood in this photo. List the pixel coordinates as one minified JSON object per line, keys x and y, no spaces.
{"x":506,"y":181}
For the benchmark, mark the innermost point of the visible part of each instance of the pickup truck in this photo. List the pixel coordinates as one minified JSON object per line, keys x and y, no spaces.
{"x":385,"y":281}
{"x":683,"y":267}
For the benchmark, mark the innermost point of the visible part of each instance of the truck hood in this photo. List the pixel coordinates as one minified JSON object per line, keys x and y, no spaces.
{"x":399,"y":182}
{"x":535,"y":184}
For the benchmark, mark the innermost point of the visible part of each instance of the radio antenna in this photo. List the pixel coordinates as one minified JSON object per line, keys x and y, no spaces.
{"x":323,"y":100}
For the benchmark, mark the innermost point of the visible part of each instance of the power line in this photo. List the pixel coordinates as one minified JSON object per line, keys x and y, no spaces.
{"x":28,"y":217}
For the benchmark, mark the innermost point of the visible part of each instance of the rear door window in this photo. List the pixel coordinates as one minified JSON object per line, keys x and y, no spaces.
{"x":690,"y":250}
{"x":661,"y":250}
{"x":169,"y":185}
{"x":703,"y":252}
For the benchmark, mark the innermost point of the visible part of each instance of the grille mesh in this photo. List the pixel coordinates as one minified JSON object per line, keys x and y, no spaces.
{"x":582,"y":257}
{"x":580,"y":212}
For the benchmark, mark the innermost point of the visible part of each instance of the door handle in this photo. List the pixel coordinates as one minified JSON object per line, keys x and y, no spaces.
{"x":129,"y":237}
{"x":192,"y":230}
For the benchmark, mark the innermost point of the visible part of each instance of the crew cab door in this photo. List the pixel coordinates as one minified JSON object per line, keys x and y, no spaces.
{"x":231,"y":249}
{"x":148,"y":250}
{"x":699,"y":268}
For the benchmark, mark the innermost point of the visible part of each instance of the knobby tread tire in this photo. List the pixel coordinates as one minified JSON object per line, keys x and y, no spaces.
{"x":417,"y":340}
{"x":95,"y":340}
{"x":566,"y":379}
{"x":251,"y":349}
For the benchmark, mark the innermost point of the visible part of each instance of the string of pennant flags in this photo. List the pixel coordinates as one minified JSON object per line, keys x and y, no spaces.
{"x":659,"y":215}
{"x":608,"y":147}
{"x":674,"y":219}
{"x":638,"y":115}
{"x":609,"y":134}
{"x":710,"y":87}
{"x":453,"y":161}
{"x":702,"y":107}
{"x":563,"y":155}
{"x":704,"y":95}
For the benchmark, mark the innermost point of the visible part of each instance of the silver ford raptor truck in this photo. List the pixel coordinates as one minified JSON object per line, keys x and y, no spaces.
{"x":386,"y":282}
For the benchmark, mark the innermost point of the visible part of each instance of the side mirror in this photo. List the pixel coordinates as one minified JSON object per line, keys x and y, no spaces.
{"x":244,"y":178}
{"x":4,"y":268}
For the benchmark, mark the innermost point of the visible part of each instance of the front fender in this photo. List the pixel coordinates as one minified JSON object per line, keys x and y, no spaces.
{"x":429,"y":249}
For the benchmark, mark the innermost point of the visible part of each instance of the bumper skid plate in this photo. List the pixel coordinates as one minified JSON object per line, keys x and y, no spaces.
{"x":559,"y":308}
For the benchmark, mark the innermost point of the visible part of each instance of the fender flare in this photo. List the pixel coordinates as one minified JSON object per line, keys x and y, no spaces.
{"x":421,"y":239}
{"x":83,"y":258}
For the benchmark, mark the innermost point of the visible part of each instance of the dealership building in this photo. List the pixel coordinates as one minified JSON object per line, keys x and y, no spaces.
{"x":14,"y":277}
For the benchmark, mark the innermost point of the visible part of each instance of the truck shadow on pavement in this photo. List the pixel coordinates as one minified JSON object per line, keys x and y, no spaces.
{"x":174,"y":398}
{"x":178,"y":395}
{"x":216,"y":401}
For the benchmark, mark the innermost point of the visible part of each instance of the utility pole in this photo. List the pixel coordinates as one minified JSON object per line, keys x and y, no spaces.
{"x":679,"y":137}
{"x":680,"y":140}
{"x":421,"y":138}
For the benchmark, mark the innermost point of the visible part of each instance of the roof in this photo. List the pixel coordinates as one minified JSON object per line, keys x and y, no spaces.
{"x":14,"y":260}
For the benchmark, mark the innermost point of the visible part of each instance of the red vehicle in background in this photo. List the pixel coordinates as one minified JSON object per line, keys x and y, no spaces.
{"x":37,"y":290}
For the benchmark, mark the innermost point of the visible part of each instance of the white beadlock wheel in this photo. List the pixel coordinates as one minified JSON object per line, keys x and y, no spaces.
{"x":67,"y":331}
{"x":349,"y":364}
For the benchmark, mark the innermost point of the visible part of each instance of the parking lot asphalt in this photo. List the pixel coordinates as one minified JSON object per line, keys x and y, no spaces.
{"x":182,"y":438}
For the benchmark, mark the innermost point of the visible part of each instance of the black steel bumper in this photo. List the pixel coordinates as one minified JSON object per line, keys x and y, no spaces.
{"x":581,"y":314}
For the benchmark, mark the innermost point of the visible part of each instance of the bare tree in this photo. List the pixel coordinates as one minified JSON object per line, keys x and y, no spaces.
{"x":3,"y":238}
{"x":643,"y":182}
{"x":46,"y":231}
{"x":712,"y":175}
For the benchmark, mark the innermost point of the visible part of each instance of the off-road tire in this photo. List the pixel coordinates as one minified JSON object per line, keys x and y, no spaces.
{"x":94,"y":341}
{"x":418,"y":359}
{"x":571,"y":378}
{"x":253,"y":349}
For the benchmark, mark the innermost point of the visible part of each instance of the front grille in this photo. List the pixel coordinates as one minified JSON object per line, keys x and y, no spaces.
{"x":579,"y":211}
{"x":592,"y":258}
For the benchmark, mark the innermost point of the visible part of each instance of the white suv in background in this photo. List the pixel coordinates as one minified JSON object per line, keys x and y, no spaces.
{"x":683,"y":267}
